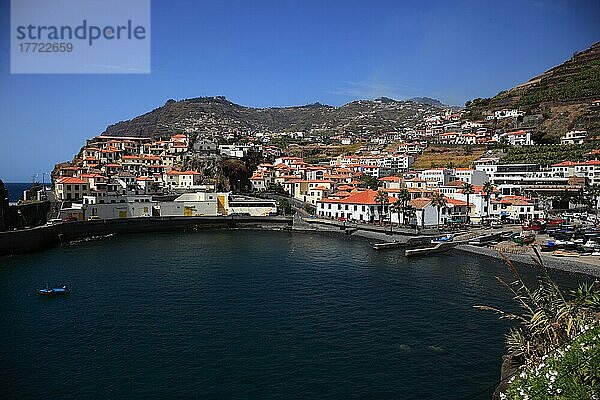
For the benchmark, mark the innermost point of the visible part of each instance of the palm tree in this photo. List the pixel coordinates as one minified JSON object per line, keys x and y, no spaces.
{"x":488,"y":189}
{"x":397,"y":207}
{"x":381,"y":197}
{"x":467,"y":189}
{"x":404,"y":196}
{"x":438,"y":200}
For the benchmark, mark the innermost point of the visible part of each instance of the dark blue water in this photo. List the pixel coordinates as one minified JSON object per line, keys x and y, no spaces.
{"x":15,"y":190}
{"x":263,"y":315}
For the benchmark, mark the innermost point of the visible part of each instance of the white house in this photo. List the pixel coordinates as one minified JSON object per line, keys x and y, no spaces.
{"x":573,"y":137}
{"x":356,"y":207}
{"x":440,"y":175}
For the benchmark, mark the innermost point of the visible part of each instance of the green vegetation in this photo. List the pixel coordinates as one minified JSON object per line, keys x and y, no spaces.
{"x":369,"y":182}
{"x":381,"y":198}
{"x":439,"y":201}
{"x":548,"y":154}
{"x":583,"y":84}
{"x":556,"y":341}
{"x":572,"y":372}
{"x":285,"y":207}
{"x":443,"y":156}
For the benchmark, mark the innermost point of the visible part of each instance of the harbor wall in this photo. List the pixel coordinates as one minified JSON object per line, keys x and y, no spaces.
{"x":38,"y":238}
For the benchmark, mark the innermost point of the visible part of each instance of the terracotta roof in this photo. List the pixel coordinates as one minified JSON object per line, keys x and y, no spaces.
{"x":564,"y":164}
{"x":457,"y":183}
{"x":420,"y":203}
{"x":365,"y":198}
{"x":455,"y":202}
{"x":515,"y":200}
{"x":71,"y":180}
{"x":391,"y":179}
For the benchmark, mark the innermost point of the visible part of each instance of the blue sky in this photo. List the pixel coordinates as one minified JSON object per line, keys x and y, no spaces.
{"x":279,"y":53}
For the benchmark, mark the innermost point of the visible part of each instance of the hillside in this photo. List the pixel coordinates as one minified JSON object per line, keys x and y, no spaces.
{"x":448,"y":156}
{"x":211,"y":115}
{"x":556,"y":101}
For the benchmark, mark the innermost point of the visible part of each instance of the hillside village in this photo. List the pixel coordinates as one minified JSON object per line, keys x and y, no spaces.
{"x":366,"y":177}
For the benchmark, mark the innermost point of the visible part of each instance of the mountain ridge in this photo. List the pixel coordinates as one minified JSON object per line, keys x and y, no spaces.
{"x":211,"y":113}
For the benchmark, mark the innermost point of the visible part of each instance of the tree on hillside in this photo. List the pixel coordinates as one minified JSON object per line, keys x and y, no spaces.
{"x":236,"y":173}
{"x":438,"y":200}
{"x":369,"y":182}
{"x":467,"y":189}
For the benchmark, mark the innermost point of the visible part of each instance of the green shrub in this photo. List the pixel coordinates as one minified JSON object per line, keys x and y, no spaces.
{"x":572,"y":372}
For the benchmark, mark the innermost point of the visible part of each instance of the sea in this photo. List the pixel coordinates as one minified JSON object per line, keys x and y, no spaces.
{"x":251,"y":315}
{"x":15,"y":190}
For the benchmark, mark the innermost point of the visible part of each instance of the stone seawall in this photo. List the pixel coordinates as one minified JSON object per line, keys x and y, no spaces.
{"x":28,"y":240}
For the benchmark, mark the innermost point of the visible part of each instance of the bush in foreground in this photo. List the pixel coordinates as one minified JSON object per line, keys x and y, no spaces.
{"x":572,"y":372}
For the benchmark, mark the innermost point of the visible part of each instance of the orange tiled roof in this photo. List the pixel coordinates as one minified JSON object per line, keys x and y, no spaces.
{"x":71,"y":180}
{"x":365,"y":198}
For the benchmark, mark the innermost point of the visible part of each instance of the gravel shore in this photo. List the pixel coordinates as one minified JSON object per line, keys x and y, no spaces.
{"x":579,"y":265}
{"x":587,"y":265}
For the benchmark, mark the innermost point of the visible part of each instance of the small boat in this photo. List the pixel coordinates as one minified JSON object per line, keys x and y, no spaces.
{"x":549,"y":246}
{"x":443,"y":239}
{"x":563,"y":253}
{"x":591,"y":245}
{"x":525,"y":238}
{"x":53,"y":291}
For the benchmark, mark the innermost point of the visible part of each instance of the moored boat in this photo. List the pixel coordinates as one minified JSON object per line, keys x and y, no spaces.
{"x":53,"y":291}
{"x":443,"y":239}
{"x":549,"y":246}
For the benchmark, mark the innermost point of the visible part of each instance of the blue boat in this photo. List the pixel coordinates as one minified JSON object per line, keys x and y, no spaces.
{"x":53,"y":291}
{"x":443,"y":239}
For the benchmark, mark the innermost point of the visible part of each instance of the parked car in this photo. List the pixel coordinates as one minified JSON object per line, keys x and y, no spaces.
{"x":94,"y":218}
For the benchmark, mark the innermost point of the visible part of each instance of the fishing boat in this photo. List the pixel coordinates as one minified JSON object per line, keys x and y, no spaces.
{"x":549,"y":246}
{"x":53,"y":291}
{"x":591,"y":245}
{"x":525,"y":238}
{"x":443,"y":239}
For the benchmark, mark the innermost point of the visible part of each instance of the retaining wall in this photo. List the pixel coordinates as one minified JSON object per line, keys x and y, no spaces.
{"x":27,"y":240}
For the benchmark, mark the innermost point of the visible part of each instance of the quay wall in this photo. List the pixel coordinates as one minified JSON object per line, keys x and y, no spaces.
{"x":42,"y":237}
